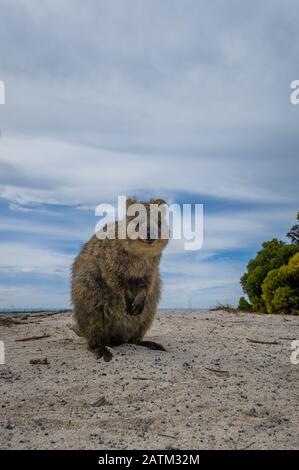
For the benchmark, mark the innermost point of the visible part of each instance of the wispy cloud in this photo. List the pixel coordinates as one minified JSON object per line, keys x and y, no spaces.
{"x":18,"y":258}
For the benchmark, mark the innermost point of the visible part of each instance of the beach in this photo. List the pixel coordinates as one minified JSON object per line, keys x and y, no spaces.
{"x":225,"y":382}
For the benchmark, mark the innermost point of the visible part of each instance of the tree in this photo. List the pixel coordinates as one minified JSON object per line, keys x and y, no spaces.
{"x":281,"y":288}
{"x":274,"y":254}
{"x":293,"y":234}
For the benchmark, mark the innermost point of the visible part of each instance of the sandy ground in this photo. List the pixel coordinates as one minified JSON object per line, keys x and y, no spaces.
{"x":212,"y":389}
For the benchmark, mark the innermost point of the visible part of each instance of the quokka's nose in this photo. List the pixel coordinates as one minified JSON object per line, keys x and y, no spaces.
{"x":151,"y":237}
{"x":148,"y":234}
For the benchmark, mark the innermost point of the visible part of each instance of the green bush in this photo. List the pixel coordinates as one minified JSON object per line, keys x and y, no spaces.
{"x":280,"y":289}
{"x":294,"y":266}
{"x":274,"y":254}
{"x":244,"y":305}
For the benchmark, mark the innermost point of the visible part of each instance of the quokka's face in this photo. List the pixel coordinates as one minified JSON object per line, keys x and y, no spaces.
{"x":147,"y":228}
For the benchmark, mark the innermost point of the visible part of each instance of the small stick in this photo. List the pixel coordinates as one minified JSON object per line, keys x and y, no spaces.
{"x":218,"y":371}
{"x":247,"y":447}
{"x":287,"y":338}
{"x":166,"y":435}
{"x":212,"y":331}
{"x":33,"y":338}
{"x":39,"y":361}
{"x":261,"y":342}
{"x":100,"y":402}
{"x":141,"y":378}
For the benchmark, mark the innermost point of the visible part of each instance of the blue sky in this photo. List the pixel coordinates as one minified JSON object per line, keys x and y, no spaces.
{"x":189,"y":101}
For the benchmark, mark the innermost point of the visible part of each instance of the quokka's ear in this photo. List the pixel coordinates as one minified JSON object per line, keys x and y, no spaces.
{"x":130,"y":201}
{"x":158,"y":201}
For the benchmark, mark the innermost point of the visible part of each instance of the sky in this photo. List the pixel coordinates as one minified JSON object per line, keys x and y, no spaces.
{"x":188,"y":101}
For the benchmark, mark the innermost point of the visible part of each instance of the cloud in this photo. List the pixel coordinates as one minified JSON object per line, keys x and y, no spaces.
{"x":21,"y":258}
{"x":15,"y":296}
{"x":70,"y":174}
{"x":200,"y":282}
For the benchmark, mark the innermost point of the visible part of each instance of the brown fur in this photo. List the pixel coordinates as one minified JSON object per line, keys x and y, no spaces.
{"x":115,"y":290}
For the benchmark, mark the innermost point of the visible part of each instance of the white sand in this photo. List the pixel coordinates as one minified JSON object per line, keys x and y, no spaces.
{"x":148,"y":399}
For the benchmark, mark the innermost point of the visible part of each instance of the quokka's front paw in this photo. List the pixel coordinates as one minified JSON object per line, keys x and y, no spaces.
{"x":135,"y":306}
{"x":104,"y":353}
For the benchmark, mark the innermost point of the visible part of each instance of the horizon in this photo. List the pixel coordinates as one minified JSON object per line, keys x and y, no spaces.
{"x":53,"y":310}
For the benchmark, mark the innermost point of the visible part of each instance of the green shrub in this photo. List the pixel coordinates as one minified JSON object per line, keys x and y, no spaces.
{"x":294,"y":265}
{"x":281,"y":288}
{"x":244,"y":305}
{"x":273,"y":255}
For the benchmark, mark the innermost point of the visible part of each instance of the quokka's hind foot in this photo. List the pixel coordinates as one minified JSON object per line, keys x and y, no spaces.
{"x":104,"y":353}
{"x":151,"y":345}
{"x":101,"y":352}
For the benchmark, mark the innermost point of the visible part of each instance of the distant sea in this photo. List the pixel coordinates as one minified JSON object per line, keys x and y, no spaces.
{"x":4,"y":310}
{"x":29,"y":310}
